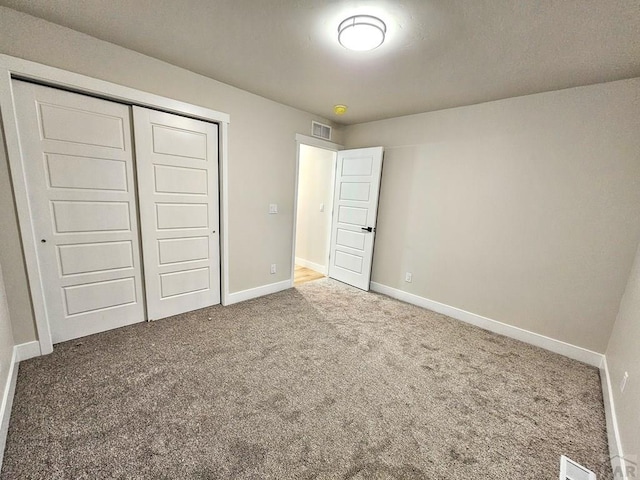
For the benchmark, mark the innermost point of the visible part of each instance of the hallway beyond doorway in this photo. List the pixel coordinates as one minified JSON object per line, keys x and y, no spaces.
{"x":304,"y":274}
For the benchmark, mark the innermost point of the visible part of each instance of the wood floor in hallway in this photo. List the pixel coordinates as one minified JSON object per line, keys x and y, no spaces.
{"x":304,"y":274}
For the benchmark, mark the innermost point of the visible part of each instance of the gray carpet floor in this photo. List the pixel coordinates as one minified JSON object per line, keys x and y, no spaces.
{"x":319,"y":382}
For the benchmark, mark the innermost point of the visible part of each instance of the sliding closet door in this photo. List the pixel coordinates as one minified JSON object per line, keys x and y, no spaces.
{"x":80,"y":178}
{"x":177,"y":165}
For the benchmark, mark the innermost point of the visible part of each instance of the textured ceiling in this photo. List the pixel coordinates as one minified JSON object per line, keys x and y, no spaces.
{"x":438,"y":53}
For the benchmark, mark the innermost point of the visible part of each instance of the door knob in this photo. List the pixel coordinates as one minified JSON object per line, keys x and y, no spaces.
{"x":43,"y":241}
{"x":367,"y":229}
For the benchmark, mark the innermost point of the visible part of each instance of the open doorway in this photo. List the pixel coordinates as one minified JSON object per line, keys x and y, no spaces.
{"x":335,"y":212}
{"x":314,"y":207}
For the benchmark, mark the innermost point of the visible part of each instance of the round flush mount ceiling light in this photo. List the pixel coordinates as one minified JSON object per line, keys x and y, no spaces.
{"x":361,"y":32}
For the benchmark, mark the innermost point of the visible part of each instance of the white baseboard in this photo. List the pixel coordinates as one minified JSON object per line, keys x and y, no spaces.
{"x":613,"y":433}
{"x":28,"y":350}
{"x":7,"y":401}
{"x":316,"y":267}
{"x":258,"y":292}
{"x":21,"y":352}
{"x":557,"y":346}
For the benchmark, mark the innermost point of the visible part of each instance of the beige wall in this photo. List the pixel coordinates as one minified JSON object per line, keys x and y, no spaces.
{"x":623,"y":355}
{"x":6,"y":345}
{"x":261,"y":148}
{"x":315,"y":187}
{"x":523,"y":210}
{"x":12,"y":260}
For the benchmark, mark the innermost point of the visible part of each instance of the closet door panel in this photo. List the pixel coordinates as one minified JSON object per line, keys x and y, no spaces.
{"x":80,"y":178}
{"x":177,"y":165}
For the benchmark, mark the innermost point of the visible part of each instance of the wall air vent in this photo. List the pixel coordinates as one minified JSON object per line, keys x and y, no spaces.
{"x":570,"y":470}
{"x":321,"y":130}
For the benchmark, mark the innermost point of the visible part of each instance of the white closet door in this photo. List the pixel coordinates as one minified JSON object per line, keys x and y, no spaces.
{"x":177,"y":165}
{"x":79,"y":169}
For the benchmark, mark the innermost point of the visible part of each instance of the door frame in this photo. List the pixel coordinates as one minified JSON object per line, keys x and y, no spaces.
{"x":311,"y":142}
{"x":17,"y":68}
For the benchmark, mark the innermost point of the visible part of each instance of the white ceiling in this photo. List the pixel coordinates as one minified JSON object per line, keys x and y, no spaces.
{"x":438,"y":53}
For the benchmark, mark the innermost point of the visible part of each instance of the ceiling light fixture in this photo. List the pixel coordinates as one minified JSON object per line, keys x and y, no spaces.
{"x":361,"y":32}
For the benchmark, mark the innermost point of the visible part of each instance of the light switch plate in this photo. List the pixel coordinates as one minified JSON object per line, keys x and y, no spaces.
{"x":273,"y":208}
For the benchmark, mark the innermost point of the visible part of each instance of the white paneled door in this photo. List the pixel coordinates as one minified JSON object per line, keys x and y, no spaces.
{"x":177,"y":165}
{"x":80,"y":178}
{"x":355,"y":209}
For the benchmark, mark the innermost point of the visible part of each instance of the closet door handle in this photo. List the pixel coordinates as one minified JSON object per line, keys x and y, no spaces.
{"x":367,"y":229}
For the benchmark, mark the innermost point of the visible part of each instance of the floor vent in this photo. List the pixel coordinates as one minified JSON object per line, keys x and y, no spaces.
{"x":570,"y":470}
{"x":321,"y":130}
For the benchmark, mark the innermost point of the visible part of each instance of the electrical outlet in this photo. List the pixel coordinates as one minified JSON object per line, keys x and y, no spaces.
{"x":408,"y":277}
{"x":273,"y":268}
{"x":623,"y":383}
{"x":273,"y":208}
